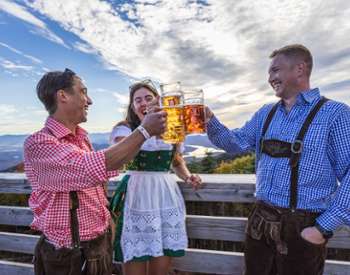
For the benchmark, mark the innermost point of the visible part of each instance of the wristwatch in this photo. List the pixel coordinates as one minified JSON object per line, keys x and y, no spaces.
{"x":325,"y":233}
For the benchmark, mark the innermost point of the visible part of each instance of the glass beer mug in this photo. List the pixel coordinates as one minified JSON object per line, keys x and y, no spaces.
{"x":172,"y":103}
{"x":194,"y":114}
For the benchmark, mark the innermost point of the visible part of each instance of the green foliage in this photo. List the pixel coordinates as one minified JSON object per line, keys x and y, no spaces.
{"x":205,"y":165}
{"x":208,"y":163}
{"x":14,"y":199}
{"x":222,"y":165}
{"x":240,"y":165}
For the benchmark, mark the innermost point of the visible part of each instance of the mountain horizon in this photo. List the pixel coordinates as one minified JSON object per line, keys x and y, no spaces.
{"x":11,"y":147}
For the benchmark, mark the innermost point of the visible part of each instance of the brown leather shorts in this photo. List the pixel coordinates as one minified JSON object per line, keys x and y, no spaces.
{"x":94,"y":257}
{"x":274,"y":244}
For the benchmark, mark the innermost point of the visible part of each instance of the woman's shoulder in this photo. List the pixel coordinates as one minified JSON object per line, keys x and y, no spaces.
{"x":122,"y":123}
{"x":121,"y":129}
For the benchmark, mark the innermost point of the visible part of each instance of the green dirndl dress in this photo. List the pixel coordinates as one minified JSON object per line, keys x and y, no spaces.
{"x":149,"y":209}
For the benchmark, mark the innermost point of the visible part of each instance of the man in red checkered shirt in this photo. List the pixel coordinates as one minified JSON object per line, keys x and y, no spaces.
{"x":59,"y":159}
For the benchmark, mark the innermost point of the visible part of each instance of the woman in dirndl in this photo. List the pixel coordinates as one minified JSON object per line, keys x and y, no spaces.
{"x":148,"y":207}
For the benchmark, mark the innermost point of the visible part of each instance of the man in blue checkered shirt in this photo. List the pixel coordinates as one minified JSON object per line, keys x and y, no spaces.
{"x":302,"y":144}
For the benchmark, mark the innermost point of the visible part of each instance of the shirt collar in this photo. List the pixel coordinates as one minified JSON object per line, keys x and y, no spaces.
{"x":60,"y":131}
{"x":308,"y":96}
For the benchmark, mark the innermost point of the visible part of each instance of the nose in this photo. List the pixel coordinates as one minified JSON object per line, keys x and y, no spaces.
{"x":143,"y":103}
{"x":89,"y":100}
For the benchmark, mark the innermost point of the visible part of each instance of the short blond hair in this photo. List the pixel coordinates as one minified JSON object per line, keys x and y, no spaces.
{"x":296,"y":51}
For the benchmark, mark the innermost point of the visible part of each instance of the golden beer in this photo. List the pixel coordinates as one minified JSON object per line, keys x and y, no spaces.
{"x":172,"y":100}
{"x":172,"y":103}
{"x":175,"y":131}
{"x":194,"y":117}
{"x":194,"y":114}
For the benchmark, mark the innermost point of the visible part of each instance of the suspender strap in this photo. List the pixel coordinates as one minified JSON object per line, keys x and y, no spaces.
{"x":265,"y":127}
{"x":269,"y":119}
{"x":297,"y":147}
{"x":74,"y":205}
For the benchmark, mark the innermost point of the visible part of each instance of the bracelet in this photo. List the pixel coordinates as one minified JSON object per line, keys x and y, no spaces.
{"x":187,"y":178}
{"x":144,"y":132}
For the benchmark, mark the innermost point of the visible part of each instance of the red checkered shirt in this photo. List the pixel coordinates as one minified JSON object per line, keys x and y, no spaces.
{"x":57,"y":162}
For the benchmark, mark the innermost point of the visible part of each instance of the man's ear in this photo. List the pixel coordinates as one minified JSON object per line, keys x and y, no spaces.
{"x":301,"y":69}
{"x":61,"y":96}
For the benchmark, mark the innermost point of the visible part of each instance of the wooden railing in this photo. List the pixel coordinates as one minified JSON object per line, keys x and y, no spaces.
{"x":216,"y":188}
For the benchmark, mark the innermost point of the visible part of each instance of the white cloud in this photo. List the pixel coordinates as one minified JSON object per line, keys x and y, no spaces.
{"x":222,"y":46}
{"x":26,"y":120}
{"x":85,"y":48}
{"x":22,"y":13}
{"x":121,"y":98}
{"x":19,"y":70}
{"x":6,"y":110}
{"x":9,"y":65}
{"x":30,"y":57}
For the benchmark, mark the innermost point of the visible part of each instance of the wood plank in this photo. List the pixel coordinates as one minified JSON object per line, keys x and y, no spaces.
{"x":210,"y":262}
{"x":336,"y":268}
{"x":219,"y":262}
{"x":198,"y":227}
{"x":15,"y":215}
{"x":232,"y":229}
{"x":196,"y":260}
{"x":16,"y":242}
{"x":12,"y":268}
{"x":210,"y":178}
{"x":222,"y":188}
{"x":216,"y":228}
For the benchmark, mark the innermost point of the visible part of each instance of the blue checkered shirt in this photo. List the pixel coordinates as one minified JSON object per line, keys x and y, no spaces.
{"x":324,"y":167}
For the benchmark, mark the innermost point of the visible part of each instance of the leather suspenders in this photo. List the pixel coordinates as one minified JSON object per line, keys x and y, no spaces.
{"x":277,"y":148}
{"x":74,"y":205}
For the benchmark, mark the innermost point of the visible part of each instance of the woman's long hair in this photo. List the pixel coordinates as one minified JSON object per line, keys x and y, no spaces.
{"x":132,"y":120}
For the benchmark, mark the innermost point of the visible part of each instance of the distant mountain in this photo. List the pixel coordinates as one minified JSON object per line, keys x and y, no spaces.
{"x":11,"y":147}
{"x":201,"y":140}
{"x":10,"y":142}
{"x":19,"y":168}
{"x":10,"y":158}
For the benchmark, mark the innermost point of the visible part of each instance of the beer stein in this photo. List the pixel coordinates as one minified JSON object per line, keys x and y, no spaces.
{"x":172,"y":102}
{"x":194,"y":115}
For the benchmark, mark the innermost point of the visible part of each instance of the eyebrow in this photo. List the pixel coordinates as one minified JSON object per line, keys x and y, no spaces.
{"x":140,"y":97}
{"x":273,"y":68}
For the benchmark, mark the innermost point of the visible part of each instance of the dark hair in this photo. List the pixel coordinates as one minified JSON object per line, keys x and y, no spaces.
{"x":296,"y":51}
{"x":132,"y":120}
{"x":50,"y":83}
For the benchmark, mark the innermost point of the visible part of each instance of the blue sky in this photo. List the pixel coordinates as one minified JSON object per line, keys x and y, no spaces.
{"x":221,"y":46}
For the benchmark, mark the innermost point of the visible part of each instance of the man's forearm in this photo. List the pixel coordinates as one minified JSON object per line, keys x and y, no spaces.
{"x":124,"y":151}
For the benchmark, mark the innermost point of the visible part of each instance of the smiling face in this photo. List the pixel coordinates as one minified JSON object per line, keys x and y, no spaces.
{"x":283,"y":76}
{"x":78,"y":102}
{"x":141,"y":99}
